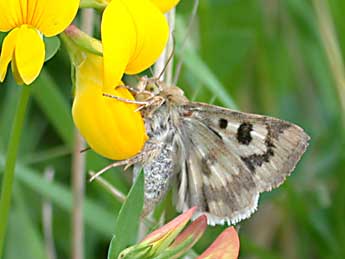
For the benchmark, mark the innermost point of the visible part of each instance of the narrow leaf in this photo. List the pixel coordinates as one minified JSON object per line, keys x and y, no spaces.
{"x":127,"y":224}
{"x":95,"y":216}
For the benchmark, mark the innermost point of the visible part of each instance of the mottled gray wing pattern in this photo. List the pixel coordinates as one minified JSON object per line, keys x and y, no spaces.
{"x":231,"y":157}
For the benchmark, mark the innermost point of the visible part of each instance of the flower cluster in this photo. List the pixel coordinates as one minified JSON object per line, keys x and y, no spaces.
{"x":169,"y":242}
{"x":27,"y":22}
{"x":134,"y":33}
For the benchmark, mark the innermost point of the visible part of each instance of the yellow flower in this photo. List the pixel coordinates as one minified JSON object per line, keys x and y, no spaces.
{"x":112,"y":128}
{"x":165,"y":6}
{"x":27,"y":21}
{"x":134,"y":34}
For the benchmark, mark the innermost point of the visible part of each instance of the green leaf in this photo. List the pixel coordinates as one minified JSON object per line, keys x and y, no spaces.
{"x":54,"y":105}
{"x":31,"y":243}
{"x":95,"y":216}
{"x":52,"y":45}
{"x":127,"y":223}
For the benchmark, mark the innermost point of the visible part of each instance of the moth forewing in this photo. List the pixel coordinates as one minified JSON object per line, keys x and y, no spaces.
{"x":240,"y":155}
{"x":221,"y":159}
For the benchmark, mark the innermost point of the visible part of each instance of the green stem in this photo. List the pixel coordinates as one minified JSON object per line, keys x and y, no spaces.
{"x":7,"y":181}
{"x":96,"y":4}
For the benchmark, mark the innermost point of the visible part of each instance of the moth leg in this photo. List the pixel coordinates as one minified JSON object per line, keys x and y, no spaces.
{"x":155,"y":101}
{"x":143,"y":95}
{"x":149,"y":150}
{"x":127,"y":163}
{"x":116,"y":164}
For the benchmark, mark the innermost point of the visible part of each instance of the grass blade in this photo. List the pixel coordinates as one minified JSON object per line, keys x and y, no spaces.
{"x":127,"y":223}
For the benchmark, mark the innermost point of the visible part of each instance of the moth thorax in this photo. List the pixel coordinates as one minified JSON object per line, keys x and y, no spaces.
{"x":173,"y":91}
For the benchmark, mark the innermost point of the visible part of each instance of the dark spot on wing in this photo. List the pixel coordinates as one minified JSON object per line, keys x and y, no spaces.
{"x":223,"y":123}
{"x":243,"y":133}
{"x":273,"y":131}
{"x":256,"y":160}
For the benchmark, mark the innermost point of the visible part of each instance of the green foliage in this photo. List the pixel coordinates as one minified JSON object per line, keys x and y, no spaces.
{"x":52,"y":45}
{"x":127,"y":223}
{"x":265,"y":57}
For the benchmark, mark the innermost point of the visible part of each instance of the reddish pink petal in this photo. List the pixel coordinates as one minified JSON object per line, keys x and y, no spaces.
{"x":177,"y":223}
{"x":226,"y":246}
{"x":196,"y":229}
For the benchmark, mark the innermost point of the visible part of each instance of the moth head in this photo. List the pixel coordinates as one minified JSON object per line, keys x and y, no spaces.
{"x":154,"y":87}
{"x":151,"y":85}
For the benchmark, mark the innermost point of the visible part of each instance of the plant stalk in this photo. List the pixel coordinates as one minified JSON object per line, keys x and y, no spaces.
{"x":78,"y":168}
{"x":8,"y":178}
{"x":164,"y":65}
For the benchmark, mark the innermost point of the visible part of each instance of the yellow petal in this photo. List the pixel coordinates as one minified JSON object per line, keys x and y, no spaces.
{"x":119,"y":39}
{"x":7,"y":51}
{"x":152,"y":34}
{"x":29,"y":54}
{"x":165,"y":5}
{"x":111,"y":128}
{"x":11,"y":14}
{"x":134,"y":33}
{"x":51,"y":17}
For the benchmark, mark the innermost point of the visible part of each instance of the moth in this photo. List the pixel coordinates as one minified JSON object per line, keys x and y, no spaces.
{"x":217,"y":159}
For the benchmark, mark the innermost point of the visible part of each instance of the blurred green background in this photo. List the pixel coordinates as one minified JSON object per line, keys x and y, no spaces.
{"x":281,"y":58}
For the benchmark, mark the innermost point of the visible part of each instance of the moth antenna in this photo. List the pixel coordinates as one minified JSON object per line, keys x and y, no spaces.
{"x":171,"y":55}
{"x":183,"y":45}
